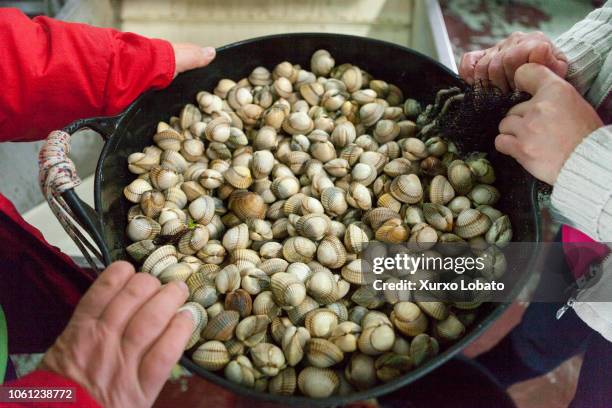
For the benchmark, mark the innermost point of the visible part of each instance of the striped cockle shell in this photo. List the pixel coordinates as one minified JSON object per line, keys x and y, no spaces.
{"x":204,"y":294}
{"x":141,"y":249}
{"x":438,"y":216}
{"x":142,"y":228}
{"x":458,"y":204}
{"x":313,"y":226}
{"x":360,"y":371}
{"x":440,"y":190}
{"x":211,"y":355}
{"x":500,"y":232}
{"x":408,"y":319}
{"x":268,"y":358}
{"x":285,"y":187}
{"x":287,"y":289}
{"x":174,"y":228}
{"x":221,"y":326}
{"x":228,"y":279}
{"x":212,"y":253}
{"x":263,"y":161}
{"x":318,"y":382}
{"x":422,"y":237}
{"x":238,"y":176}
{"x":298,"y":123}
{"x":423,"y":347}
{"x":240,"y":301}
{"x":345,"y":336}
{"x":378,"y":216}
{"x":358,"y":272}
{"x":355,"y":239}
{"x":449,"y":329}
{"x":168,"y":139}
{"x":376,"y":339}
{"x":392,"y":231}
{"x":484,"y":194}
{"x":211,"y":179}
{"x":460,"y":176}
{"x":471,"y":223}
{"x":331,"y":252}
{"x":321,"y":322}
{"x":370,"y":113}
{"x":236,"y":237}
{"x":334,"y":201}
{"x":174,"y":161}
{"x":160,"y":259}
{"x":284,"y":383}
{"x":252,"y":330}
{"x":386,"y":130}
{"x":193,"y":240}
{"x":413,"y":149}
{"x":192,"y":190}
{"x":298,"y":314}
{"x":273,"y":265}
{"x":264,"y":304}
{"x":399,"y":166}
{"x":175,"y":198}
{"x":299,"y":249}
{"x":437,"y":310}
{"x":359,"y":196}
{"x":163,"y":178}
{"x":322,"y":287}
{"x":241,"y":371}
{"x":407,"y":188}
{"x":323,"y":353}
{"x":202,"y":209}
{"x":390,"y":366}
{"x":134,"y":191}
{"x":247,"y":205}
{"x":254,"y":280}
{"x":178,"y":271}
{"x":343,"y":134}
{"x":293,"y":343}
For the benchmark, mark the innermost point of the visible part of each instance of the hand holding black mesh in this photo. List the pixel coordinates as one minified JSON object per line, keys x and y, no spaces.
{"x":474,"y":111}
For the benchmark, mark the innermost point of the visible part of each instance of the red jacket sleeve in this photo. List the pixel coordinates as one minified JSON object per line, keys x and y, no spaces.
{"x":47,"y":379}
{"x":55,"y":72}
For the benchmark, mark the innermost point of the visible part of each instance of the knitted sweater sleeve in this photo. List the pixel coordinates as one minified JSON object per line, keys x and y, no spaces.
{"x":586,"y":45}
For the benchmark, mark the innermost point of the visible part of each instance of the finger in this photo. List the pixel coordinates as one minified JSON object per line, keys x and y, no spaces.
{"x":531,"y":77}
{"x":507,"y":144}
{"x":104,"y":289}
{"x":542,"y":53}
{"x":481,"y":70}
{"x":189,"y":56}
{"x":512,"y":59}
{"x":136,"y":293}
{"x":497,"y":74}
{"x":467,"y":64}
{"x":164,"y":353}
{"x":151,"y":320}
{"x":520,"y":109}
{"x":511,"y":125}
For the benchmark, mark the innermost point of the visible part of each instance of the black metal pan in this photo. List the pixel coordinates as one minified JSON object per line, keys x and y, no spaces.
{"x":417,"y":75}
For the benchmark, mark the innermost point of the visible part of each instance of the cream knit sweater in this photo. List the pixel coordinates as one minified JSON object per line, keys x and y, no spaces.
{"x":582,"y":194}
{"x":583,"y":191}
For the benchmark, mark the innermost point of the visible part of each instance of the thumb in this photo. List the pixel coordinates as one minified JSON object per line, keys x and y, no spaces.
{"x":531,"y":77}
{"x":189,"y":56}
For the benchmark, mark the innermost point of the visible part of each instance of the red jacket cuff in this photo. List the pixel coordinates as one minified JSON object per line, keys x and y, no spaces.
{"x":47,"y":379}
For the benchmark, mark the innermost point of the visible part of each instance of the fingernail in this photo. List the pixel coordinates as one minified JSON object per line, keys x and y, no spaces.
{"x":209,"y":52}
{"x":187,"y":313}
{"x":183,"y":286}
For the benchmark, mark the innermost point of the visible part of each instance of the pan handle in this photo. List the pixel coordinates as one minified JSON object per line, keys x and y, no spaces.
{"x":58,"y":178}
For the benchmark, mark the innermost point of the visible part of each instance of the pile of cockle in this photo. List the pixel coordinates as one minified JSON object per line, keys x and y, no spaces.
{"x":263,"y":195}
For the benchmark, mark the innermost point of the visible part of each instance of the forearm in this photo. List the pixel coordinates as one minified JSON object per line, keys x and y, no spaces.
{"x":583,"y":191}
{"x":586,"y":46}
{"x":56,"y":72}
